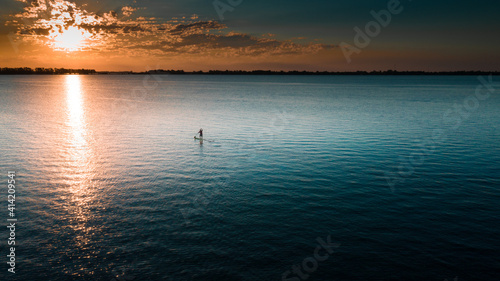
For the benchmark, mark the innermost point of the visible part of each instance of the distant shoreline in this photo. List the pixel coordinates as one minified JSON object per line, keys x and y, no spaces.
{"x":60,"y":71}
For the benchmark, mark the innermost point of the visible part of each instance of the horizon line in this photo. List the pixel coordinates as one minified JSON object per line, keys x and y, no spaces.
{"x":55,"y":71}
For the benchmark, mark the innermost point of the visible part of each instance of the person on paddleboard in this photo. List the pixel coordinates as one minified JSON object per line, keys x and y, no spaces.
{"x":201,"y":132}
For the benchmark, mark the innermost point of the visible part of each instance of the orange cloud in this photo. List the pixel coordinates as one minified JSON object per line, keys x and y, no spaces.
{"x":44,"y":20}
{"x":128,"y":11}
{"x":61,"y":25}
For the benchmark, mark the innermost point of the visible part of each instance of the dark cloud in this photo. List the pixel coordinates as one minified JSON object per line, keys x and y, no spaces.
{"x":195,"y":27}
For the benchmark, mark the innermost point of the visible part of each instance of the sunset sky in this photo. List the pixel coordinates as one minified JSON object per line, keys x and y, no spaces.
{"x":248,"y":34}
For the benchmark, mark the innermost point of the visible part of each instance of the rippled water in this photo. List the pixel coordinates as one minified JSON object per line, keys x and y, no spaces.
{"x":110,"y":183}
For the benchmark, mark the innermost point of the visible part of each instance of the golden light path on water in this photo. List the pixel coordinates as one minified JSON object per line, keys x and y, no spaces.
{"x":75,"y":111}
{"x":80,"y":167}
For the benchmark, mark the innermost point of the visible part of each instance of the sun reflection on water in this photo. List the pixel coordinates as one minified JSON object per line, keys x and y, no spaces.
{"x":75,"y":111}
{"x":80,"y":168}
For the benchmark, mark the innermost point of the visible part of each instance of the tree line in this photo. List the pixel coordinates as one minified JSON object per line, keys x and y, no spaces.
{"x":296,"y":72}
{"x":42,"y":70}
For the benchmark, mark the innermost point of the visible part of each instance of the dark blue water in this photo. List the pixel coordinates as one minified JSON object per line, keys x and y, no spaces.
{"x":397,"y":177}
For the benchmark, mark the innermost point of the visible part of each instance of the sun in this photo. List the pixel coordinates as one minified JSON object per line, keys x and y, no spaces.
{"x":70,"y":39}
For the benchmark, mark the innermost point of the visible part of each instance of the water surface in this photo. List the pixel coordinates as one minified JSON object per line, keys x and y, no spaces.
{"x":111,"y":182}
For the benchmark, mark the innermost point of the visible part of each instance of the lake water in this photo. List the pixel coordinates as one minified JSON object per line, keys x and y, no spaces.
{"x":398,"y":177}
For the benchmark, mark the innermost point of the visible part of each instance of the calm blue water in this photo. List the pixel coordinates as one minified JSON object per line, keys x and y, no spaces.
{"x":394,"y":171}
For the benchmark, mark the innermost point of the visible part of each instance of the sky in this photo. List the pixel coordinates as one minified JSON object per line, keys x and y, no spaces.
{"x":334,"y":35}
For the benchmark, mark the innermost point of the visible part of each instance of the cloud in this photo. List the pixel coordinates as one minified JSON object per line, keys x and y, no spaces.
{"x":195,"y":28}
{"x":128,"y":11}
{"x":43,"y":20}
